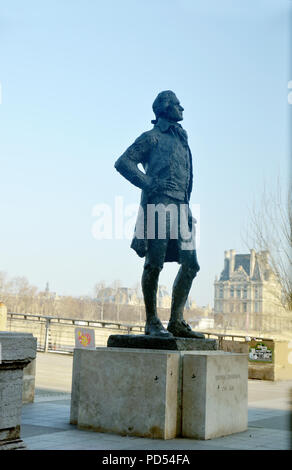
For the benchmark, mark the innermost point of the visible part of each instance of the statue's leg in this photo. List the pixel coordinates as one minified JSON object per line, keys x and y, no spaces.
{"x":183,"y":283}
{"x":150,"y":278}
{"x":181,"y":288}
{"x":153,"y":265}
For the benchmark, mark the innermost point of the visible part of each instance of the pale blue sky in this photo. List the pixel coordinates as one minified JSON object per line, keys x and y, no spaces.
{"x":78,"y":81}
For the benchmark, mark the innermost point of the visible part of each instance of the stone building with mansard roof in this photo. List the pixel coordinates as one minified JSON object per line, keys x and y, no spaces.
{"x":247,"y":285}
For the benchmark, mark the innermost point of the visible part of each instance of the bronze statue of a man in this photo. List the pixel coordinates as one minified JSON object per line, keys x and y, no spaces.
{"x":166,"y":184}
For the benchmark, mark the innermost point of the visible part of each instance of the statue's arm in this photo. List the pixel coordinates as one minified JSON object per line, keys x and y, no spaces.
{"x":137,"y":153}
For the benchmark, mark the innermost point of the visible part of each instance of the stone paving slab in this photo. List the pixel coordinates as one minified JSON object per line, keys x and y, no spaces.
{"x":45,"y":426}
{"x":278,"y":422}
{"x":45,"y":423}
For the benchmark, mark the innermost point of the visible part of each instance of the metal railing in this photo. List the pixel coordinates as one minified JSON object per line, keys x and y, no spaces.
{"x":232,"y":337}
{"x":56,"y":334}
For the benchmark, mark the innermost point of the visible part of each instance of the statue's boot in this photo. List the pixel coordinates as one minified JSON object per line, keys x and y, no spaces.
{"x":181,"y":329}
{"x":154,"y":327}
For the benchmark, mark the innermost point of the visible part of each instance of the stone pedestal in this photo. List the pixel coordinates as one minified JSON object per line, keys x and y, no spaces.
{"x":28,"y":387}
{"x":159,"y":394}
{"x":158,"y":342}
{"x":126,"y":391}
{"x":214,"y":394}
{"x":16,"y":351}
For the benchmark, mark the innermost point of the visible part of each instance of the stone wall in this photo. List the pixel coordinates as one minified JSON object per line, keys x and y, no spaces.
{"x":279,"y":369}
{"x":234,"y":346}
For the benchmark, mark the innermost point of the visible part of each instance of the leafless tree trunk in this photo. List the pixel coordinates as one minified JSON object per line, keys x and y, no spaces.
{"x":99,"y":291}
{"x":270,"y":229}
{"x":116,"y":286}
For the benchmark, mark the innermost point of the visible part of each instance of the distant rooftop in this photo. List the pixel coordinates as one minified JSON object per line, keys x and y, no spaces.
{"x":254,"y":265}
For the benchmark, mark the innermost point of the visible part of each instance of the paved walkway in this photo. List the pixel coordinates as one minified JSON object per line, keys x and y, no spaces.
{"x":45,"y":423}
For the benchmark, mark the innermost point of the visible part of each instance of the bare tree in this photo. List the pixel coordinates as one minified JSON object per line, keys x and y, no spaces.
{"x":100,"y":294}
{"x":270,"y":229}
{"x":4,"y":291}
{"x":139,"y":298}
{"x":116,"y":285}
{"x":99,"y":286}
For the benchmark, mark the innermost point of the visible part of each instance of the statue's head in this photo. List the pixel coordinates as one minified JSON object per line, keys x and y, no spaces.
{"x":168,"y":106}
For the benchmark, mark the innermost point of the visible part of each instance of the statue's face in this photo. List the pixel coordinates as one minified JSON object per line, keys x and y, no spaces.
{"x":174,"y":111}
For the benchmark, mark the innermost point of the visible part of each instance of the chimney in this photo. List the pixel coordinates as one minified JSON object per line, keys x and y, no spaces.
{"x":264,"y":257}
{"x":252,"y":262}
{"x":226,"y":260}
{"x":231,"y":262}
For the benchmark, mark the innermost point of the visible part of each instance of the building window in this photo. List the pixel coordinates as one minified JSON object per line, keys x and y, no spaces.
{"x":256,"y":293}
{"x":245,"y":292}
{"x":256,"y":307}
{"x":232,"y":291}
{"x":244,"y":307}
{"x":221,"y":292}
{"x":238,"y":292}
